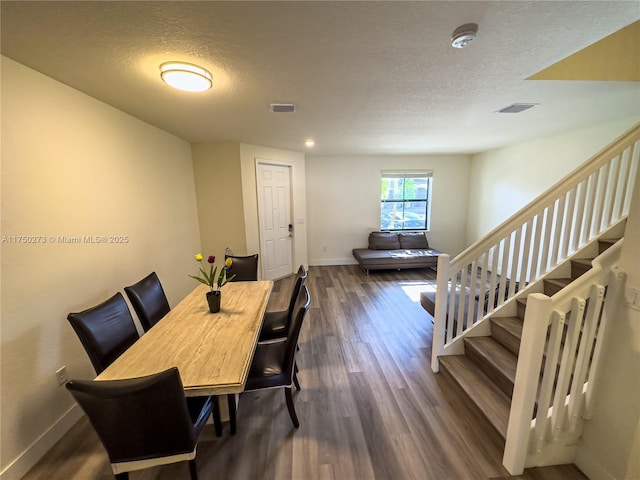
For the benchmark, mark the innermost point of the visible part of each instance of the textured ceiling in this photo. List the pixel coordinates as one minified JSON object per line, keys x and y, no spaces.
{"x":366,"y":77}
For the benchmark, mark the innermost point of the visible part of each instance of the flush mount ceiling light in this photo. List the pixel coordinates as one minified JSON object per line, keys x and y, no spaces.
{"x":186,"y":76}
{"x":464,"y":35}
{"x":309,"y":143}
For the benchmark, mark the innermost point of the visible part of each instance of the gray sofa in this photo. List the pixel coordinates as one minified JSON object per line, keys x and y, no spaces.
{"x":396,"y":250}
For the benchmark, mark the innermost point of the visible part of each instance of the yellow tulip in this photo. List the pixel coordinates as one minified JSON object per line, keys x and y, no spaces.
{"x":199,"y":257}
{"x":228,"y":262}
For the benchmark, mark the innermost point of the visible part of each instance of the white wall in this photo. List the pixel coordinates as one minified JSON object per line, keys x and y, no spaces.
{"x":73,"y":166}
{"x":506,"y":179}
{"x":296,"y":160}
{"x":218,"y":179}
{"x":343,"y":194}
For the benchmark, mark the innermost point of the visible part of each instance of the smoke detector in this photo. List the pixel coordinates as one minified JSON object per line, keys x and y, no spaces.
{"x":464,"y":35}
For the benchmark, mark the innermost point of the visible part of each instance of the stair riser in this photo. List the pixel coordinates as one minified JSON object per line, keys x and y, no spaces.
{"x":551,"y":287}
{"x":521,"y":309}
{"x":505,"y":338}
{"x":464,"y":396}
{"x":603,"y":245}
{"x":579,"y":269}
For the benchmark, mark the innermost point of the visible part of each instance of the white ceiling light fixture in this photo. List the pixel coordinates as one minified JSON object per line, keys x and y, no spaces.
{"x":186,"y":76}
{"x":464,"y":35}
{"x":309,"y":143}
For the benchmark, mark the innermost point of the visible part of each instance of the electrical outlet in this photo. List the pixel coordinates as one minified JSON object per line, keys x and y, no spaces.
{"x":61,"y":375}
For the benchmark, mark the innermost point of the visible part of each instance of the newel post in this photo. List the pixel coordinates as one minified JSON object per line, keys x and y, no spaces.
{"x":440,"y":314}
{"x":534,"y":332}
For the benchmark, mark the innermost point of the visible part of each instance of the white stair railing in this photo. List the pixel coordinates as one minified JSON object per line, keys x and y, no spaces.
{"x":539,"y":237}
{"x":558,"y":365}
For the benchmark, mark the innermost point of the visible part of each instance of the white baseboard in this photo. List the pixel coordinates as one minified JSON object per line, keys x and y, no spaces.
{"x":326,"y":262}
{"x":27,"y":459}
{"x":590,"y":467}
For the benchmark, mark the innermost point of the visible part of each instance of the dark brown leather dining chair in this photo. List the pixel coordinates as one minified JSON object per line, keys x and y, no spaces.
{"x":105,"y":331}
{"x":148,"y":300}
{"x":245,"y":268}
{"x":273,"y":364}
{"x":144,"y":422}
{"x":276,"y":323}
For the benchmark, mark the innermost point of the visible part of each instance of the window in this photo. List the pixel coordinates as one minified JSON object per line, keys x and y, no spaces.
{"x":405,"y":200}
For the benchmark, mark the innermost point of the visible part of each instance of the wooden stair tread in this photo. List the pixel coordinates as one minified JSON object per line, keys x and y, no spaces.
{"x":480,"y":390}
{"x":504,"y":360}
{"x":583,"y":261}
{"x":559,"y":281}
{"x":496,"y":361}
{"x":513,"y":325}
{"x":508,"y":332}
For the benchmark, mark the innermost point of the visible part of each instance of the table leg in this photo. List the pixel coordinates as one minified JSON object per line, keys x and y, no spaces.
{"x":216,"y":416}
{"x":231,"y":401}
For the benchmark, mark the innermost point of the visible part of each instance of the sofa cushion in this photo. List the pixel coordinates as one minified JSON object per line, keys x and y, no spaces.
{"x":413,"y":240}
{"x":384,"y":241}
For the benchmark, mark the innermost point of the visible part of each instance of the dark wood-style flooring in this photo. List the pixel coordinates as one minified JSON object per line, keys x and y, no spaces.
{"x":370,"y":406}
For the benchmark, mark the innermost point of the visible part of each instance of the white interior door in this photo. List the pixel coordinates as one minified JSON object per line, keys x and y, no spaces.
{"x":276,"y":224}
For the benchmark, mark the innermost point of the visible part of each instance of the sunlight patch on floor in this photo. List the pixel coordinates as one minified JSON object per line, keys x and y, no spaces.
{"x":413,"y":289}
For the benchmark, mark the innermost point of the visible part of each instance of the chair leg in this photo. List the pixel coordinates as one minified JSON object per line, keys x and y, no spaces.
{"x":295,"y":381}
{"x":231,"y":401}
{"x":217,"y":422}
{"x":193,"y":469}
{"x":292,"y":410}
{"x":295,"y":367}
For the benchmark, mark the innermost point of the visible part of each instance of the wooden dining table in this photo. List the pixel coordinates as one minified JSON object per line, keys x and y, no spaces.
{"x":212,"y":351}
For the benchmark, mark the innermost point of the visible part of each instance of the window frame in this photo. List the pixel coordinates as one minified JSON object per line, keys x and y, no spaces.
{"x":407,"y":174}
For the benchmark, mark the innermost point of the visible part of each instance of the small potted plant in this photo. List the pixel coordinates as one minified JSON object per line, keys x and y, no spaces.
{"x":213,"y":280}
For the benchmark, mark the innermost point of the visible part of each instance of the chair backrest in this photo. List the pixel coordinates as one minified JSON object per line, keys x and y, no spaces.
{"x":302,"y":306}
{"x":140,"y":418}
{"x":105,"y":330}
{"x":301,"y":279}
{"x":244,"y":268}
{"x":148,"y":300}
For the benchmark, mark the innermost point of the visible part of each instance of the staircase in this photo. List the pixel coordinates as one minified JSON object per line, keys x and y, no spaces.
{"x":528,"y":356}
{"x":486,"y":372}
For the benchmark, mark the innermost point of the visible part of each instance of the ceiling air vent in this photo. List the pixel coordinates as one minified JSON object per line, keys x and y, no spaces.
{"x":282,"y":107}
{"x":517,"y":107}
